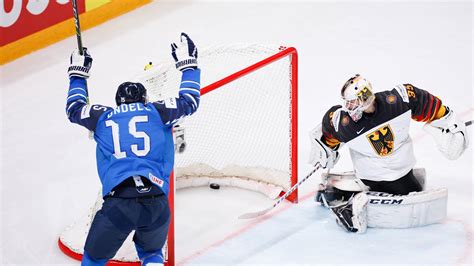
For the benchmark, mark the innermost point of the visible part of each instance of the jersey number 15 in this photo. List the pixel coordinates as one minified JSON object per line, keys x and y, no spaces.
{"x":132,"y":129}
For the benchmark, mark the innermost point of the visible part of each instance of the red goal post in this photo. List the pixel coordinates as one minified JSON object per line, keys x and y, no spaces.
{"x":244,"y":133}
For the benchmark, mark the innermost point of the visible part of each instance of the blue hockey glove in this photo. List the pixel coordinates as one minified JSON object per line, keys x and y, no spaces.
{"x":185,"y":55}
{"x":80,"y":65}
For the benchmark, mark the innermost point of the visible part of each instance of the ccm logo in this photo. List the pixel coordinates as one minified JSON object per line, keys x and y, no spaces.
{"x":386,"y":201}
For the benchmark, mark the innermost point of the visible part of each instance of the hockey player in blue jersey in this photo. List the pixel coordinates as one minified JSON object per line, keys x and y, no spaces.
{"x":135,"y":156}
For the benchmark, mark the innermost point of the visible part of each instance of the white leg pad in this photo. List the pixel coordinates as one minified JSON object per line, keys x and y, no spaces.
{"x":412,"y":210}
{"x":359,"y":212}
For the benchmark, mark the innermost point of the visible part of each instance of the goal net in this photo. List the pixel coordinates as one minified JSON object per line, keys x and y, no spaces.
{"x":244,"y":133}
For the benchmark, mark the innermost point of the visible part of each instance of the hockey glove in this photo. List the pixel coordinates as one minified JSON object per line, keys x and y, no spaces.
{"x":80,"y":65}
{"x":185,"y":55}
{"x":450,"y":135}
{"x":320,"y":153}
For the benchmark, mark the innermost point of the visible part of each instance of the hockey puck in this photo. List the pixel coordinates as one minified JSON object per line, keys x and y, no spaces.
{"x":214,"y":186}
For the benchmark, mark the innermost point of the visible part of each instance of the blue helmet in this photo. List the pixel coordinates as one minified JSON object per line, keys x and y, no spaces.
{"x":130,"y":92}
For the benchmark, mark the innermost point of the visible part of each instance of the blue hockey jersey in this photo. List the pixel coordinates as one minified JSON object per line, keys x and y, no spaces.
{"x":136,"y":138}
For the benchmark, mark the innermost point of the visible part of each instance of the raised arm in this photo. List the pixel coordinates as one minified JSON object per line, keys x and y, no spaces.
{"x":425,"y":107}
{"x":447,"y":130}
{"x":77,"y":108}
{"x":172,"y":109}
{"x":185,"y":56}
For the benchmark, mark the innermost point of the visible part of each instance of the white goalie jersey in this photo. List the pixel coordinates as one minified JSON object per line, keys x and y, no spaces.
{"x":379,"y":143}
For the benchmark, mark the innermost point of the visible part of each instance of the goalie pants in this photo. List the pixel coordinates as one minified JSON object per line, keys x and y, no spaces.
{"x":402,"y":186}
{"x":148,"y":216}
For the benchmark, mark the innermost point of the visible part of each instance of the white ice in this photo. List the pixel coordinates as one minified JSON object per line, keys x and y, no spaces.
{"x":48,"y":175}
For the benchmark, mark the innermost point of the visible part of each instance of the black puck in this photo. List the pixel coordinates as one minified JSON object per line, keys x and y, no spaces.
{"x":214,"y":186}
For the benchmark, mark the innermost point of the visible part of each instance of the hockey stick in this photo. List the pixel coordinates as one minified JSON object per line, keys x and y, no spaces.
{"x":78,"y":26}
{"x":468,"y":123}
{"x":262,"y":212}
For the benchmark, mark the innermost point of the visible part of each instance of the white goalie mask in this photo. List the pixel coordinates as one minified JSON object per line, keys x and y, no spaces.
{"x":357,"y":95}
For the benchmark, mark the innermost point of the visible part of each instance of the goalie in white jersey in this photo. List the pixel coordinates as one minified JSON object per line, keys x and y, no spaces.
{"x":375,"y":128}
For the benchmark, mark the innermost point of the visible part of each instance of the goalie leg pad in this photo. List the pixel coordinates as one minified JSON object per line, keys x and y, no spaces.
{"x":412,"y":210}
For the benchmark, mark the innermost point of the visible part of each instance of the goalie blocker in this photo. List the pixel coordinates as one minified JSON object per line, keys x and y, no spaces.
{"x":356,"y":208}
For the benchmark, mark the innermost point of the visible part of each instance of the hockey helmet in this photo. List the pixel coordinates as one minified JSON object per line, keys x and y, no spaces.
{"x":357,"y":95}
{"x":130,"y":92}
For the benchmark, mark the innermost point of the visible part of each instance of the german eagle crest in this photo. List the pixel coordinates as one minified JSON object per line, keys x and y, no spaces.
{"x":382,"y":140}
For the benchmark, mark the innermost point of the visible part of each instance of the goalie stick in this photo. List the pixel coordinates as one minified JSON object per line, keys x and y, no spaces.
{"x":251,"y":215}
{"x":262,"y":212}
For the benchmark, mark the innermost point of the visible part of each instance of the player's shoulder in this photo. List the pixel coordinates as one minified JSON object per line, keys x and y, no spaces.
{"x":94,"y":110}
{"x":332,"y":116}
{"x":331,"y":111}
{"x":399,"y":92}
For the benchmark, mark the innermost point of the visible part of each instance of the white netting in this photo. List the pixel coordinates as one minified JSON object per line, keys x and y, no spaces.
{"x":240,"y":126}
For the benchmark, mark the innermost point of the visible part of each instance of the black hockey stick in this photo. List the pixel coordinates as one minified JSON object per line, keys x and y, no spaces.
{"x":78,"y":26}
{"x":468,"y":123}
{"x":262,"y":212}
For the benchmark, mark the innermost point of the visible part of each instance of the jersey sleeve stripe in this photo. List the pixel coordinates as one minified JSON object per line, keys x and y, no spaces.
{"x":430,"y":111}
{"x":331,"y":142}
{"x":76,"y":95}
{"x":195,"y":104}
{"x":68,"y":110}
{"x":79,"y":89}
{"x":184,"y":82}
{"x":190,"y":90}
{"x":423,"y":111}
{"x":435,"y":112}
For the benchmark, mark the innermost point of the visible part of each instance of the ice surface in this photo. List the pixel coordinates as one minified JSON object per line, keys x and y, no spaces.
{"x":48,"y":176}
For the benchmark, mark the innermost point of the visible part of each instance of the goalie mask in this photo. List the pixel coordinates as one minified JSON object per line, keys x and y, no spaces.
{"x":130,"y":92}
{"x":357,"y":96}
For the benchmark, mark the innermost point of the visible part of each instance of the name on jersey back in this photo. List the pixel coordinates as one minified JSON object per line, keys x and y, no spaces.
{"x":132,"y":107}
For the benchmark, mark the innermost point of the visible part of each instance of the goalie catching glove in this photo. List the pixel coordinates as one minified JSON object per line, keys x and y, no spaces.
{"x":185,"y":55}
{"x":80,"y":65}
{"x":450,"y":135}
{"x":320,"y":152}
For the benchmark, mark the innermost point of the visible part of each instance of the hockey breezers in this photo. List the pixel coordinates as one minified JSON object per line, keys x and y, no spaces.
{"x":280,"y":199}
